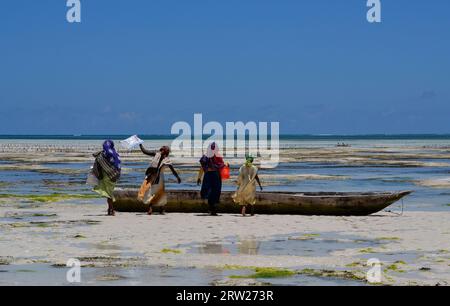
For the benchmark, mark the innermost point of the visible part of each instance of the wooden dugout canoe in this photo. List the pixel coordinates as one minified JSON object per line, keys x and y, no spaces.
{"x":287,"y":203}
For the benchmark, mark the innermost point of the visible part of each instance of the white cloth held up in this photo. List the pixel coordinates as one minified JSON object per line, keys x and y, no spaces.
{"x":131,"y":142}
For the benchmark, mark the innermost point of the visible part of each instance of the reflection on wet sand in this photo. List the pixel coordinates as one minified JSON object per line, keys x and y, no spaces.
{"x":212,"y":248}
{"x":244,"y":247}
{"x":249,"y":247}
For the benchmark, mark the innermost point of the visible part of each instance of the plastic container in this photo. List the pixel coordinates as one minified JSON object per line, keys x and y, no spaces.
{"x":225,"y":172}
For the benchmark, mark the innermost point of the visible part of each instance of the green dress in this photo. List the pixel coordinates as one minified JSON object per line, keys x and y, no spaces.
{"x":105,"y":187}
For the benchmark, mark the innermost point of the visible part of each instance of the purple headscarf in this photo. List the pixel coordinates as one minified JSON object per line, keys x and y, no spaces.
{"x":111,"y":154}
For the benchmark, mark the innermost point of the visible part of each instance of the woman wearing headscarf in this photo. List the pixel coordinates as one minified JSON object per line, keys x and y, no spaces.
{"x":211,"y":164}
{"x":107,"y":170}
{"x":152,"y":191}
{"x":246,"y":192}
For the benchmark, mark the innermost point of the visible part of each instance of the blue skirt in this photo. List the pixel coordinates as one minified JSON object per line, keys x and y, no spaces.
{"x":211,"y":187}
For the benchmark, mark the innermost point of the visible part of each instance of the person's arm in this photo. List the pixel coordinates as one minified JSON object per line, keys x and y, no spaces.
{"x":147,"y":152}
{"x":258,"y":181}
{"x":200,"y":175}
{"x":174,"y":172}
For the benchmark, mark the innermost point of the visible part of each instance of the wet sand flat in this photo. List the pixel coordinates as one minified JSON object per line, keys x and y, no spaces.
{"x":416,"y":243}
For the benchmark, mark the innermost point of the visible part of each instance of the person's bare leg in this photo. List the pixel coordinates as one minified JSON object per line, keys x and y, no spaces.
{"x":163,"y":210}
{"x":243,"y":211}
{"x":252,"y":210}
{"x":150,"y":210}
{"x":110,"y":208}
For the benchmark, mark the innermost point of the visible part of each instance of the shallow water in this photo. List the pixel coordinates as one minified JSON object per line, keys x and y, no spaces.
{"x":306,"y":165}
{"x":43,"y":275}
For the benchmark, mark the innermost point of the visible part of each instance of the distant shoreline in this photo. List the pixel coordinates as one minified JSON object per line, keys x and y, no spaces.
{"x":282,"y":137}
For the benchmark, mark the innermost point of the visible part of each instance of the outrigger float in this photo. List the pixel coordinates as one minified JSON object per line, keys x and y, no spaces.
{"x":280,"y":203}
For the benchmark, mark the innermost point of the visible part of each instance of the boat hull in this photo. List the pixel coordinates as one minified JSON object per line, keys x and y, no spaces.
{"x":284,"y":203}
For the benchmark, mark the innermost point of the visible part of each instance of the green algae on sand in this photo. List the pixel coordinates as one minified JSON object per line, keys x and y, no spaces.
{"x":21,"y":216}
{"x":271,"y":272}
{"x":45,"y":224}
{"x":267,"y":273}
{"x":355,"y":264}
{"x":388,"y":238}
{"x":173,"y":251}
{"x":5,"y":260}
{"x":49,"y":198}
{"x":367,"y":250}
{"x":110,"y":277}
{"x":79,"y":236}
{"x":4,"y":184}
{"x":43,"y":215}
{"x":395,"y":267}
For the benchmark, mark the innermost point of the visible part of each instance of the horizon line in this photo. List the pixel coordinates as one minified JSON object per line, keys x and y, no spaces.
{"x":170,"y":136}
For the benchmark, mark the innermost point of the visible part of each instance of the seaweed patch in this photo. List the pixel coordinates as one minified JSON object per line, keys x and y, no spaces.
{"x":267,"y":273}
{"x":48,"y":198}
{"x":173,"y":251}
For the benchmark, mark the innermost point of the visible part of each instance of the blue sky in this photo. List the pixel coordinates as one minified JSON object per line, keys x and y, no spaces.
{"x":316,"y":66}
